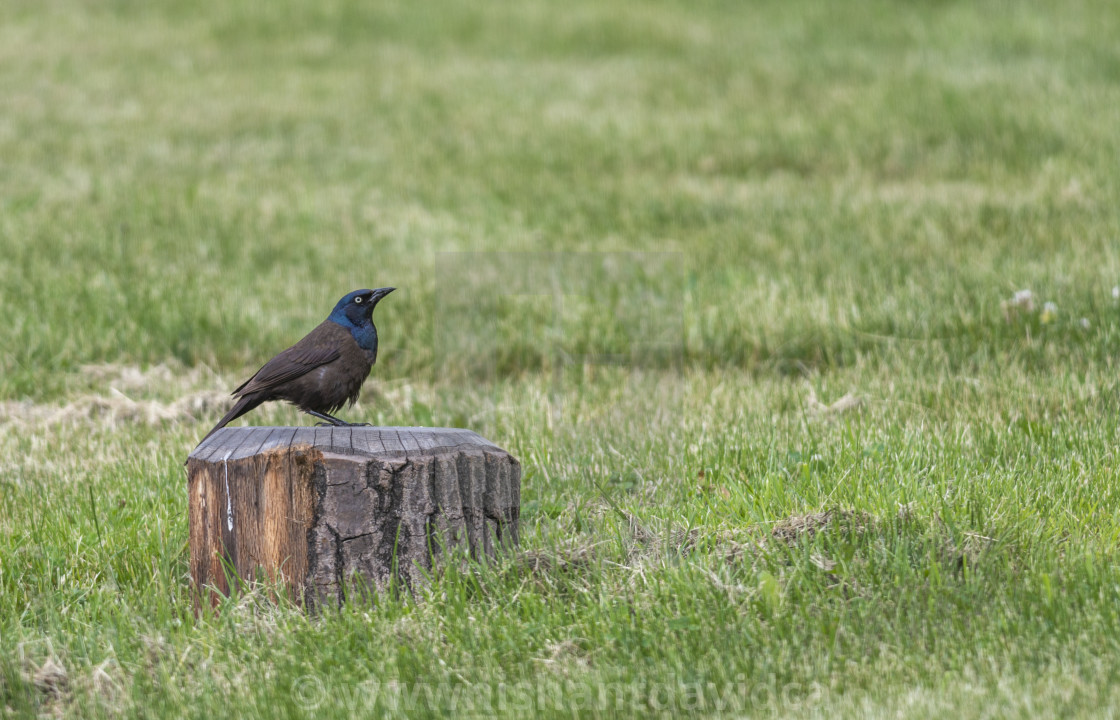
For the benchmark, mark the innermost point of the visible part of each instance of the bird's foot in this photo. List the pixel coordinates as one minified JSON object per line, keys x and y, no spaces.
{"x":341,"y":424}
{"x":331,"y":419}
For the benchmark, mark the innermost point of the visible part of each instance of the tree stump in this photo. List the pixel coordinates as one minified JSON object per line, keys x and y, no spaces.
{"x":324,"y":509}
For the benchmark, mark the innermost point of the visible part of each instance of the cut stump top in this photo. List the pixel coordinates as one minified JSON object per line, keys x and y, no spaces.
{"x":236,"y":443}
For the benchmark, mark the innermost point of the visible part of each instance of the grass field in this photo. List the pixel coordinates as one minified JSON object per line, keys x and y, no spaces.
{"x":850,"y":195}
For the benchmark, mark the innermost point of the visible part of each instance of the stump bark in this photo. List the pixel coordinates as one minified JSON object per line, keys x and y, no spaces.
{"x":325,"y":510}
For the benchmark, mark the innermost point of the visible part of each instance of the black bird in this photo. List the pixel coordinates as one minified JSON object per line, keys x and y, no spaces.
{"x":323,"y":371}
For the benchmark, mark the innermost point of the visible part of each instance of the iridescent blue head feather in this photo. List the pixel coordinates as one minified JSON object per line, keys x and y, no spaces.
{"x":355,"y":313}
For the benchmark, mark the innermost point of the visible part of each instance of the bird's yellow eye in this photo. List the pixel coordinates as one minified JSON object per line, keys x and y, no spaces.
{"x":358,"y":300}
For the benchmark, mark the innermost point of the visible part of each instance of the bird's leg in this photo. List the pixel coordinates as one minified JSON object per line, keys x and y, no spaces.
{"x":332,"y":420}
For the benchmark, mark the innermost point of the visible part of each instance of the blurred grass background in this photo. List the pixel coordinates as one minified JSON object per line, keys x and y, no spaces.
{"x":849,"y":195}
{"x":201,"y":182}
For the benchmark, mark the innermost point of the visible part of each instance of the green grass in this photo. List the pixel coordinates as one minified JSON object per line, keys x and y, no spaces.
{"x":852,"y":192}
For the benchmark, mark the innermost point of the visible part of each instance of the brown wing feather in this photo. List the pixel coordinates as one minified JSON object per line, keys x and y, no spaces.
{"x":315,"y":350}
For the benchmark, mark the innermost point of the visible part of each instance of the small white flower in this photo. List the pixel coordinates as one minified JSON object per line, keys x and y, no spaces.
{"x":1116,"y":292}
{"x":1021,"y":302}
{"x":1049,"y":313}
{"x":1085,"y":323}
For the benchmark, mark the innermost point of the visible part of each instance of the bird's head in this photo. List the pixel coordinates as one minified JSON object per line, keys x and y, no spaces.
{"x":356,"y":308}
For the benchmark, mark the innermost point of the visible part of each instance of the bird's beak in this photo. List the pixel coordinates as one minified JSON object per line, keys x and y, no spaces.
{"x":380,"y":293}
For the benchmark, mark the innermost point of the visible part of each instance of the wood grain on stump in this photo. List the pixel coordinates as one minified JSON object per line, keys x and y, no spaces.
{"x":322,"y":510}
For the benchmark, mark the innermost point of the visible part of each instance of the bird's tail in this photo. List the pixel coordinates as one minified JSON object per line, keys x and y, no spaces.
{"x":243,"y":405}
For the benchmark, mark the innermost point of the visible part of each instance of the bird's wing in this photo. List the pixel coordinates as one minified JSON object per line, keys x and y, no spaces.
{"x":297,"y":360}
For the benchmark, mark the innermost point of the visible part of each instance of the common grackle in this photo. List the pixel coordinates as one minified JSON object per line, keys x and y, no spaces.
{"x":323,"y":371}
